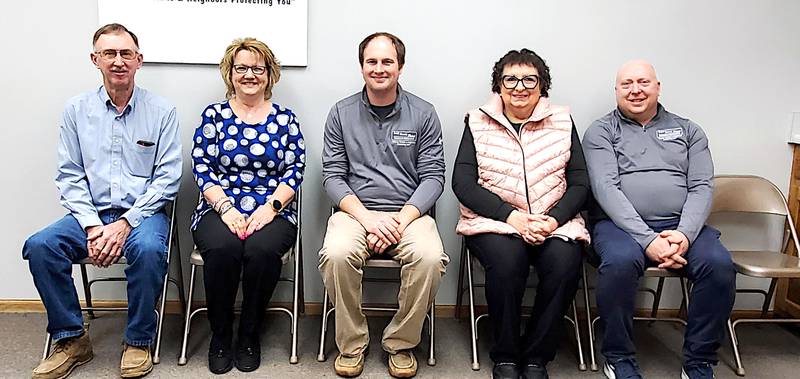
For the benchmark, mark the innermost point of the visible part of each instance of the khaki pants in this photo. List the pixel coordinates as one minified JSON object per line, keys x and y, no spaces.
{"x":343,"y":254}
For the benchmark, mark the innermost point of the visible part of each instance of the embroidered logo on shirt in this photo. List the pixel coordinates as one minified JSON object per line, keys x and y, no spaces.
{"x":669,"y":134}
{"x":404,"y":137}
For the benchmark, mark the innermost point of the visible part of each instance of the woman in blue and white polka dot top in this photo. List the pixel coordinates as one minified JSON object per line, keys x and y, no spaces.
{"x":249,"y":158}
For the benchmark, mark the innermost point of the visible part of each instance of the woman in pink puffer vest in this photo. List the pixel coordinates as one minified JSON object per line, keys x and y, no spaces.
{"x":521,"y":180}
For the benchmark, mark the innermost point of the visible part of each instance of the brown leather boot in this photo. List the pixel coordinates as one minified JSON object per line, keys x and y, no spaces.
{"x":136,"y":361}
{"x":67,"y":354}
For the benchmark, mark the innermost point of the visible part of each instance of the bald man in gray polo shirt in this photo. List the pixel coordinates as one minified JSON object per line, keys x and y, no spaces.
{"x":383,"y":167}
{"x":651,"y":173}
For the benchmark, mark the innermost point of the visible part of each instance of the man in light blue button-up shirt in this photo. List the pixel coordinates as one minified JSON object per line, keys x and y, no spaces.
{"x":119,"y":165}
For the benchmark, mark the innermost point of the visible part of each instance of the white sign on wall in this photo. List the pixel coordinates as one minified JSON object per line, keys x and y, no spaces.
{"x":197,"y":31}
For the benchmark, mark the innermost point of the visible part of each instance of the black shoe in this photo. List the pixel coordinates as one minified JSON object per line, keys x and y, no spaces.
{"x":505,"y":370}
{"x":220,"y":360}
{"x":534,"y":371}
{"x":248,"y":356}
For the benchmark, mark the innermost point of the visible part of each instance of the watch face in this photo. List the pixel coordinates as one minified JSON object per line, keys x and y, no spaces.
{"x":277,"y":205}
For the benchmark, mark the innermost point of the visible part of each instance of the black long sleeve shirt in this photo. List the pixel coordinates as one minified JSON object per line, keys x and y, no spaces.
{"x":487,"y":204}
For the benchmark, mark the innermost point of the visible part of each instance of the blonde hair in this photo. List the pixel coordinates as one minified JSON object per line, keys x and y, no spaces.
{"x":260,"y":50}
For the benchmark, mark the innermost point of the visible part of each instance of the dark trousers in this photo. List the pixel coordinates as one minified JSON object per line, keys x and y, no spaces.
{"x":623,"y":261}
{"x":257,"y":260}
{"x":507,"y":260}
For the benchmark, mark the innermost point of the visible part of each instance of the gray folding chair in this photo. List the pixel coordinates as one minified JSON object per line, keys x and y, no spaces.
{"x":377,"y":262}
{"x":466,"y":266}
{"x":753,"y":195}
{"x":295,"y":254}
{"x":160,"y":309}
{"x":650,"y":272}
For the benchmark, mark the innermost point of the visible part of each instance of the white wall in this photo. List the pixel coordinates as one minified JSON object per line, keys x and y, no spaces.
{"x":731,"y":66}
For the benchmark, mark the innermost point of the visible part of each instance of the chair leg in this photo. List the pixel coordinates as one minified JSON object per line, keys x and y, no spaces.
{"x":187,"y":318}
{"x":321,"y":354}
{"x":735,"y":346}
{"x":590,"y":329}
{"x":768,"y":297}
{"x":472,"y":322}
{"x":87,"y":290}
{"x":179,"y":279}
{"x":431,"y":334}
{"x":160,"y":319}
{"x":293,"y":359}
{"x":657,"y":299}
{"x":685,"y":292}
{"x":581,"y":361}
{"x":47,"y":343}
{"x":460,"y":286}
{"x":299,"y":257}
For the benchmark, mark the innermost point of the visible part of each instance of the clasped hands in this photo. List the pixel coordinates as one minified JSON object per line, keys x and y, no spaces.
{"x":244,"y":227}
{"x":533,"y":228}
{"x":104,"y":242}
{"x":383,"y":229}
{"x":668,"y":249}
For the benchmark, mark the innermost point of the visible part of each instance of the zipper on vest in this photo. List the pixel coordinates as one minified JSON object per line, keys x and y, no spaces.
{"x":524,"y":169}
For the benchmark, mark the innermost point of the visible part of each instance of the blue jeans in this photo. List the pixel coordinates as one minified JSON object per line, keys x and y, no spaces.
{"x":623,"y":261}
{"x":52,"y":251}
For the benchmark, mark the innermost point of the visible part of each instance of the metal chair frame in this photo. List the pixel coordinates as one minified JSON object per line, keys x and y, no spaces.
{"x":380,"y":261}
{"x":732,"y":194}
{"x":172,"y":239}
{"x":466,"y":265}
{"x":650,"y":272}
{"x":295,"y":254}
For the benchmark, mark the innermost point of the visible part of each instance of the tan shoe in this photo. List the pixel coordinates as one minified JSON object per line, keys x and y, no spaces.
{"x":349,"y":366}
{"x":403,"y":364}
{"x":136,"y":361}
{"x":67,"y":354}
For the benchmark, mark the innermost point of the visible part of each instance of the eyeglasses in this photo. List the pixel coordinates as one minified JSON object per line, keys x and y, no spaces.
{"x":628,"y":85}
{"x":111,"y":54}
{"x":242,"y":69}
{"x":529,"y":82}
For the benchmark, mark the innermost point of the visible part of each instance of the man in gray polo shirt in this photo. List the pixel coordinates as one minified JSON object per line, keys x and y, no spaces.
{"x":651,"y":173}
{"x":383,"y":168}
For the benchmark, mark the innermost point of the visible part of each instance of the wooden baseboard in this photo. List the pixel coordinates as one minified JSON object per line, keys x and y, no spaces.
{"x":443,"y":311}
{"x":36,"y":306}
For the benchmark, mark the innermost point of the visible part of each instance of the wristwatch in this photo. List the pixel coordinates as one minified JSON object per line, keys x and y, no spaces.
{"x":276,"y":204}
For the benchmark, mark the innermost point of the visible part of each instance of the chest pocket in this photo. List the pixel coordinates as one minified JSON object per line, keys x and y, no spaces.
{"x":140,"y":159}
{"x":675,"y":152}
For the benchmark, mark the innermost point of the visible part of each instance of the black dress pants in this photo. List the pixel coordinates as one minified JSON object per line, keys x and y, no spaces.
{"x":507,"y":260}
{"x":257,"y":260}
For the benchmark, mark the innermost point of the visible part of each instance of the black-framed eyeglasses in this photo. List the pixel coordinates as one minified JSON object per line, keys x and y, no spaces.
{"x":242,"y":69}
{"x":111,"y":54}
{"x":529,"y":82}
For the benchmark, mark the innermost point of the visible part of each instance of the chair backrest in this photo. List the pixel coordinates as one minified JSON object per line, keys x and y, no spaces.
{"x":753,"y":194}
{"x":747,"y":193}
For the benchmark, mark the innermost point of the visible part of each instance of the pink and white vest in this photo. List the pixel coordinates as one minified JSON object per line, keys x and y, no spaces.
{"x":526,"y":171}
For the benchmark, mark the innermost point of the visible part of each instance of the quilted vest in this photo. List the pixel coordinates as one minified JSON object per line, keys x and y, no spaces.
{"x":526,"y":170}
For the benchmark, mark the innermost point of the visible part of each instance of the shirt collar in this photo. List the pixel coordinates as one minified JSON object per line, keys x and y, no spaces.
{"x":494,"y":108}
{"x":365,"y":100}
{"x":107,"y":99}
{"x":660,"y":111}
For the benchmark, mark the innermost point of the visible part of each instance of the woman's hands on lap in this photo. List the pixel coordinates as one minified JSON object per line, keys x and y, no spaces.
{"x":236,"y":222}
{"x":261,"y":217}
{"x":533,"y":228}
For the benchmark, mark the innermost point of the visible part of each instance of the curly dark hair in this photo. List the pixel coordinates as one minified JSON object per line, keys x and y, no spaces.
{"x":523,"y":57}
